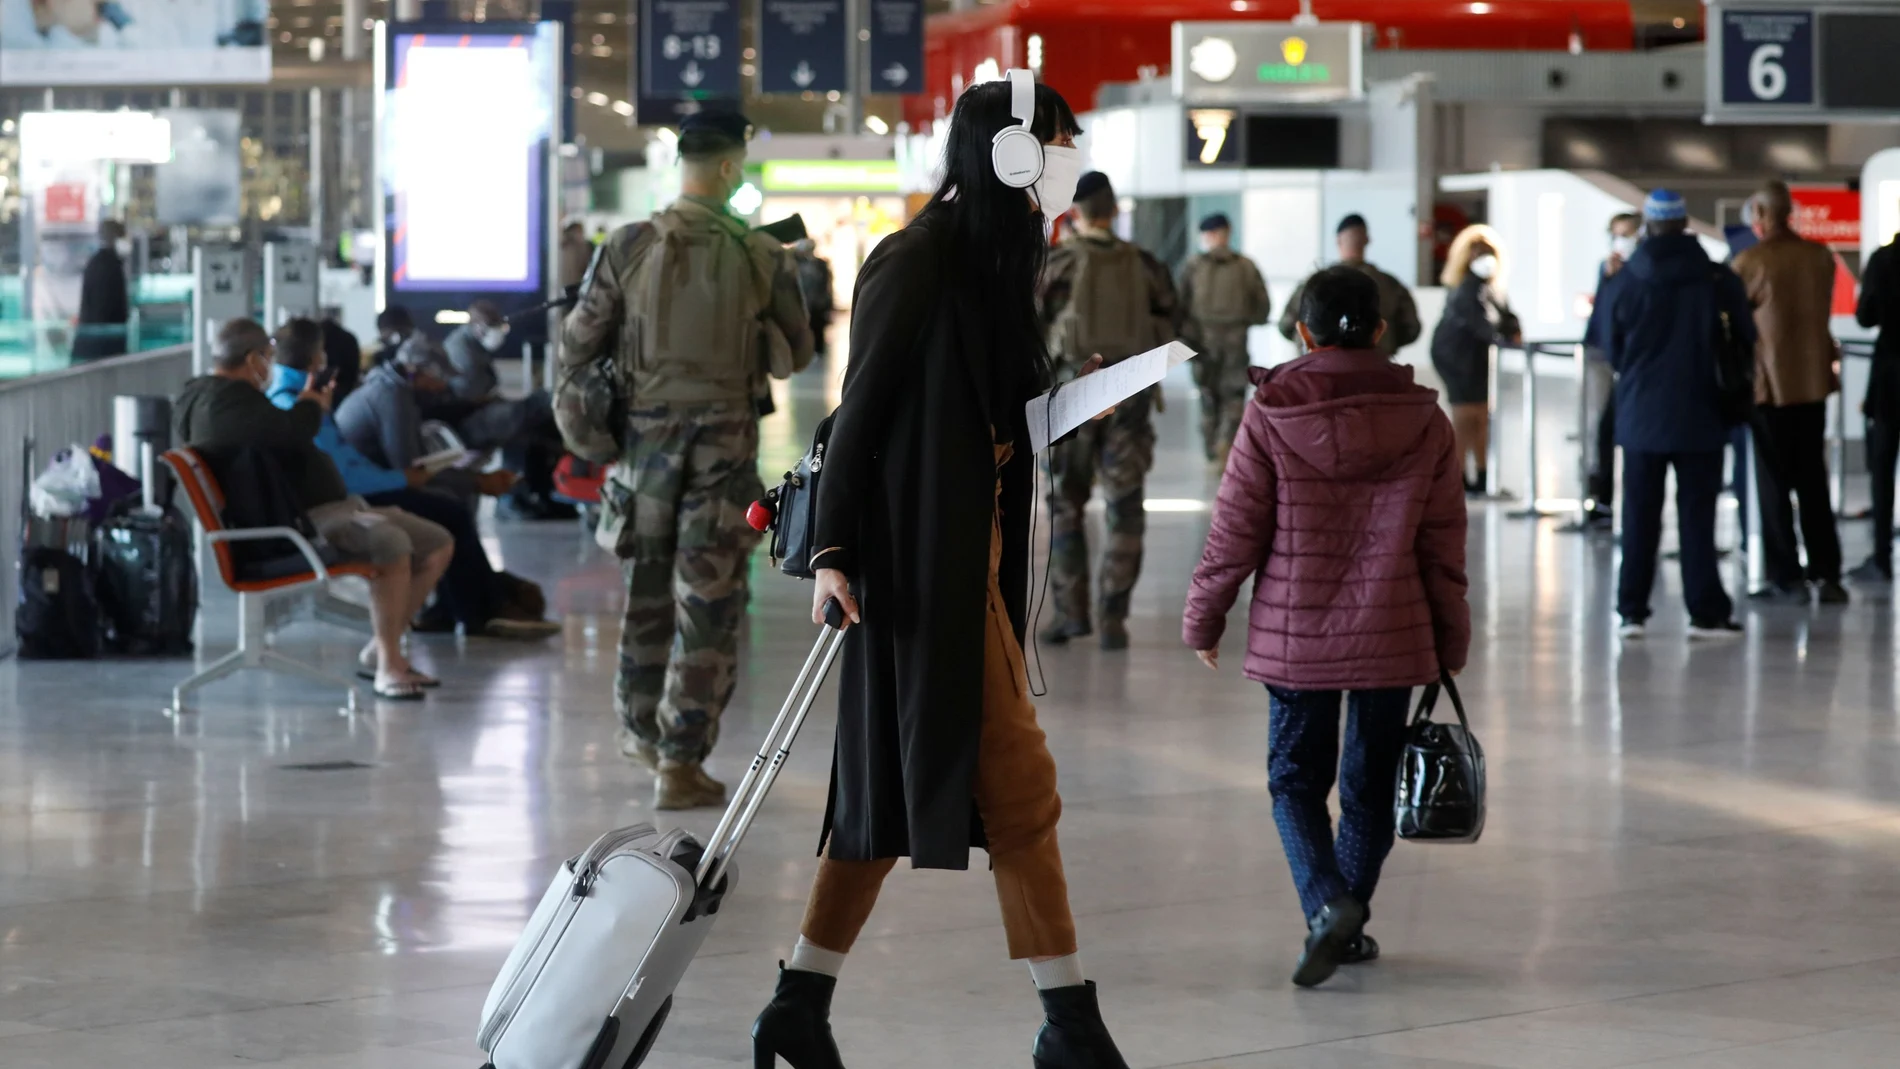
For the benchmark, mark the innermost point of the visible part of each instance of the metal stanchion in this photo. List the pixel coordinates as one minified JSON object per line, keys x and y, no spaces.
{"x":1837,"y":458}
{"x":1861,"y":350}
{"x":1586,"y":445}
{"x":1527,"y":395}
{"x":1751,"y":492}
{"x":527,"y":368}
{"x":1536,"y":505}
{"x":1494,"y":448}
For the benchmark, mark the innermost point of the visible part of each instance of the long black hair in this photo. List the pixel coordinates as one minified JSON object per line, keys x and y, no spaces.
{"x":997,"y":245}
{"x":1340,"y":305}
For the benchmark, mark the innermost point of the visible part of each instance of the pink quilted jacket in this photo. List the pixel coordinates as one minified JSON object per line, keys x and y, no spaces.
{"x":1344,"y":503}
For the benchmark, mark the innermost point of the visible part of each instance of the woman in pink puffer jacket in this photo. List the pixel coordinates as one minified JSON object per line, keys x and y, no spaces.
{"x":1344,"y":502}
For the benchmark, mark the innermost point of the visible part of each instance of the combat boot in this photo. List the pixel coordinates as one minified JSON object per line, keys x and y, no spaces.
{"x":639,"y":750}
{"x":1064,"y":629}
{"x":1114,"y":634}
{"x":685,"y":785}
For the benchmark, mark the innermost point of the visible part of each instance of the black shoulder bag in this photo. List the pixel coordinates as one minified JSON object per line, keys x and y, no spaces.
{"x":1440,"y":795}
{"x":1734,"y":363}
{"x":789,"y":511}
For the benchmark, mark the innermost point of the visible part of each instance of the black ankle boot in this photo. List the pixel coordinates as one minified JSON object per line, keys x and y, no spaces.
{"x":796,"y":1024}
{"x":1073,"y":1035}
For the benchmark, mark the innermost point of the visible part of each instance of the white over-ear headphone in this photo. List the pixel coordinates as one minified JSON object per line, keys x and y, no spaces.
{"x":1016,"y":153}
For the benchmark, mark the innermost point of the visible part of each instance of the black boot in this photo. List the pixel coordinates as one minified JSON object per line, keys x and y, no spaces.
{"x":796,"y":1024}
{"x":1073,"y":1035}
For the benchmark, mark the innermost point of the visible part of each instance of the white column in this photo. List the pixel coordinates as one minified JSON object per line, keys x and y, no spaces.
{"x":318,"y":219}
{"x":353,"y":14}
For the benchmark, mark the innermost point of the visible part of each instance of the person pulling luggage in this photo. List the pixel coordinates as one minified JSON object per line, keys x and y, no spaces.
{"x":1344,"y":503}
{"x":923,"y":520}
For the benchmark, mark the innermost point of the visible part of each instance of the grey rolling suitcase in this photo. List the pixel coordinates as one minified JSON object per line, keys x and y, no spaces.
{"x":590,"y":982}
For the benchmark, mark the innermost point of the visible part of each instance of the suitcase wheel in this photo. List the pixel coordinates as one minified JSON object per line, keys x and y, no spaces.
{"x":645,"y":1046}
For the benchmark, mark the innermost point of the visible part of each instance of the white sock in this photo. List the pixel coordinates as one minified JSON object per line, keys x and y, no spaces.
{"x":808,"y":956}
{"x":1065,"y":971}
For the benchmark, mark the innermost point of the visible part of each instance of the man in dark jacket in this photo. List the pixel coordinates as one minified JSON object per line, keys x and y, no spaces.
{"x":105,"y":305}
{"x":230,"y":408}
{"x":1599,"y":383}
{"x":1662,"y":333}
{"x":1880,"y":307}
{"x":523,"y":430}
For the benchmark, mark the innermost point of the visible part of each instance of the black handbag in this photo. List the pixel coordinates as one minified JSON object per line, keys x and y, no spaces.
{"x":1440,"y":796}
{"x":789,"y":510}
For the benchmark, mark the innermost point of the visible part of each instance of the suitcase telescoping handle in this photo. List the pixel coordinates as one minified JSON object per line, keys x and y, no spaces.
{"x":770,"y":760}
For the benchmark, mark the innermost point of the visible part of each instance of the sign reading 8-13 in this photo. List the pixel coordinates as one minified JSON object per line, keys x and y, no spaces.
{"x":689,"y":48}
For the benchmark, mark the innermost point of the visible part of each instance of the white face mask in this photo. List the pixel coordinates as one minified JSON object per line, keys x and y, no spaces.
{"x":1055,"y":190}
{"x":123,"y":246}
{"x":1623,"y":246}
{"x":1485,"y":266}
{"x":491,"y":337}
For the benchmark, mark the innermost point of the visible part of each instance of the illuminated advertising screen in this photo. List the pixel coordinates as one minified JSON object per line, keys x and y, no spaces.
{"x":466,"y":125}
{"x":133,"y":42}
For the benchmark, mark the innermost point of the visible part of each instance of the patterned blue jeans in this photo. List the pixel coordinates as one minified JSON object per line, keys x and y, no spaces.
{"x":1302,"y":753}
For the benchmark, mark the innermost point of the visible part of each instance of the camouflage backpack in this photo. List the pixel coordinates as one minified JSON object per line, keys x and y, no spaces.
{"x":1108,"y":311}
{"x":1223,"y":289}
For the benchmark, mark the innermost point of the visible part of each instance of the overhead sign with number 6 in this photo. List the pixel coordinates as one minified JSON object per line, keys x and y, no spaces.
{"x":1768,"y":57}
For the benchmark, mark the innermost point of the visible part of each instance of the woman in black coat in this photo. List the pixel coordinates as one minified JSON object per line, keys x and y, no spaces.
{"x":922,"y":521}
{"x":1476,"y":318}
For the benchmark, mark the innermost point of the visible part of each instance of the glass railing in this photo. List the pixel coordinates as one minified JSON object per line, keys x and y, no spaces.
{"x":161,"y":316}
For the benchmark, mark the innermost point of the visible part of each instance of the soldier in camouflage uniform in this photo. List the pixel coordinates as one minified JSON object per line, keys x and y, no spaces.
{"x":700,"y":310}
{"x":1101,"y":296}
{"x":1222,"y":294}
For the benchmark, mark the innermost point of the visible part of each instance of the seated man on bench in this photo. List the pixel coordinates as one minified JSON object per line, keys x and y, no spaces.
{"x":228,"y":408}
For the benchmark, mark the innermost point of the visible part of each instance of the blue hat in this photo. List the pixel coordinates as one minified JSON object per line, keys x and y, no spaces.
{"x":1216,"y":221}
{"x":1663,"y":205}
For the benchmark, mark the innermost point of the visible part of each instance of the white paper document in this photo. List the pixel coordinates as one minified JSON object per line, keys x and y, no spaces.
{"x":1072,"y":404}
{"x":439,"y":462}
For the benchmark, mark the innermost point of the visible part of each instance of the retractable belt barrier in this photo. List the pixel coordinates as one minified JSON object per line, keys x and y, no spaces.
{"x":1536,"y":505}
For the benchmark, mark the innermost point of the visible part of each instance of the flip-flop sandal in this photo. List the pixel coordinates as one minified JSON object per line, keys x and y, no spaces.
{"x":420,"y":680}
{"x":398,"y":692}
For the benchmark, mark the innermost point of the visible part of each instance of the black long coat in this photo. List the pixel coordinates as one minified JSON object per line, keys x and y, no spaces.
{"x":1475,"y":319}
{"x":907,"y":495}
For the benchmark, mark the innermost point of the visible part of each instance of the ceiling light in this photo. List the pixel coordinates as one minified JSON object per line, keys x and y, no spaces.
{"x":1213,"y":59}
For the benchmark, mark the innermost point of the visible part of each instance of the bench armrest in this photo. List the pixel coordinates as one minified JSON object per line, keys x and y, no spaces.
{"x":288,"y":534}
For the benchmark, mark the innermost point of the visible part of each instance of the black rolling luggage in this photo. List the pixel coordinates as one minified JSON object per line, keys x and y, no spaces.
{"x":57,"y":618}
{"x":146,"y":581}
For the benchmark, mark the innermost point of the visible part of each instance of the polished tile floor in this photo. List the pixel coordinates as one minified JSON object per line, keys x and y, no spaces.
{"x":1693,"y":859}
